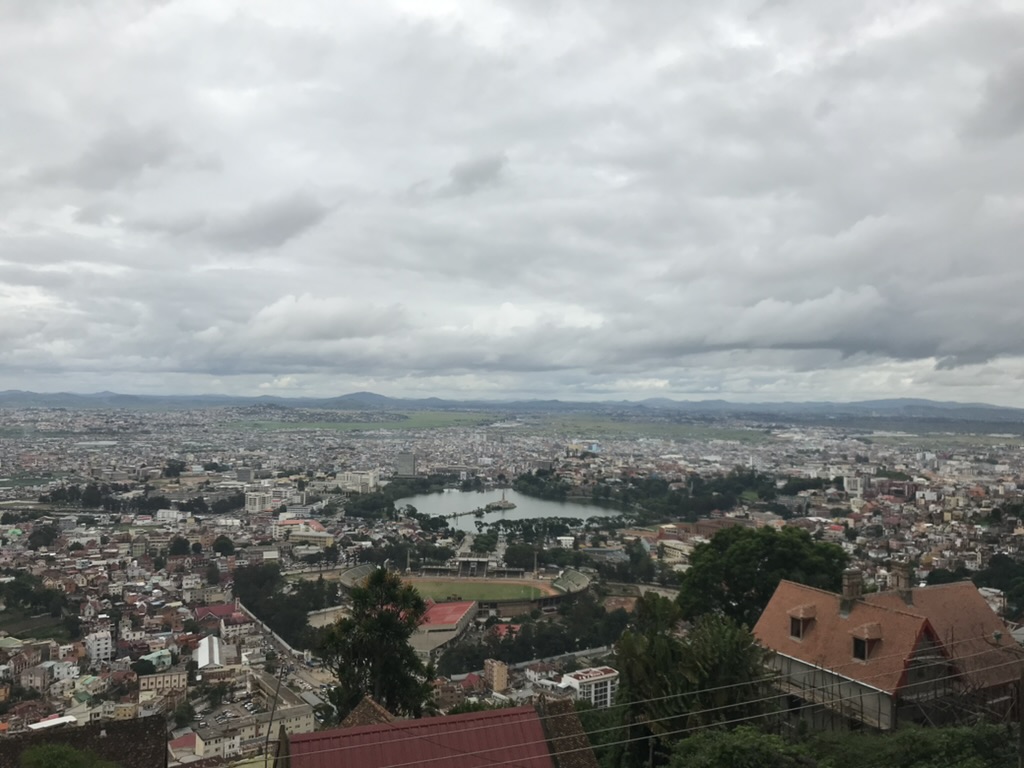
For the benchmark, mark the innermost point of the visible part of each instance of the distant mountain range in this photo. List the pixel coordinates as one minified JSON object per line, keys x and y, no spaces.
{"x":900,"y":408}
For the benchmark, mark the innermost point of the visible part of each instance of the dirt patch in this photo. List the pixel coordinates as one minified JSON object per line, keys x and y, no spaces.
{"x":614,"y":603}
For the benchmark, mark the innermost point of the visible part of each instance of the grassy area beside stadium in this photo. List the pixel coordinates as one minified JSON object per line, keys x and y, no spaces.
{"x":470,"y":589}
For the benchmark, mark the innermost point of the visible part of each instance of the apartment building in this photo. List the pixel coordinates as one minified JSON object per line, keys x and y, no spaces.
{"x":99,"y":646}
{"x":595,"y":684}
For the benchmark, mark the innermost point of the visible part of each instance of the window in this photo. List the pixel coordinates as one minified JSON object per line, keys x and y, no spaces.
{"x":860,"y":649}
{"x":796,"y":628}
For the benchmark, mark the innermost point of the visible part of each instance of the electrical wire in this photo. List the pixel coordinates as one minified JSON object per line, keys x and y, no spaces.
{"x":768,"y":678}
{"x":480,"y":753}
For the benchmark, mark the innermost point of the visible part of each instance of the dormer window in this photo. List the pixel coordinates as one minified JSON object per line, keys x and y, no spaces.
{"x":800,"y":619}
{"x":860,"y":649}
{"x":798,"y":628}
{"x":865,"y":638}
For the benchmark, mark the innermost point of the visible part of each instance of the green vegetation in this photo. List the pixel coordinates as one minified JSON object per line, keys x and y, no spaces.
{"x":61,"y":756}
{"x":262,"y":589}
{"x":484,"y":543}
{"x":543,"y":484}
{"x":401,"y":551}
{"x":606,"y":427}
{"x":35,"y":611}
{"x":381,"y":504}
{"x":581,"y":623}
{"x":467,"y":589}
{"x":183,"y":713}
{"x":652,"y":500}
{"x":717,"y":671}
{"x":736,"y":573}
{"x":977,"y":746}
{"x":404,"y":420}
{"x":370,"y":653}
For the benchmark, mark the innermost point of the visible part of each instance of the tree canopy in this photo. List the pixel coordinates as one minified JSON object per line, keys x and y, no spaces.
{"x":736,"y":573}
{"x":222,"y":545}
{"x":178,"y":546}
{"x":978,"y":746}
{"x":370,"y":652}
{"x":61,"y":756}
{"x":717,"y":675}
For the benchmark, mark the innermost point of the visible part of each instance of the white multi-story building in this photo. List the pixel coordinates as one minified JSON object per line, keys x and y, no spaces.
{"x":257,"y":501}
{"x":596,"y":685}
{"x":99,"y":646}
{"x":65,"y":670}
{"x":360,"y":481}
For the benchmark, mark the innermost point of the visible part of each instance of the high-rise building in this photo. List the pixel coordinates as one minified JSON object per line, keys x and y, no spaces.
{"x":405,"y":464}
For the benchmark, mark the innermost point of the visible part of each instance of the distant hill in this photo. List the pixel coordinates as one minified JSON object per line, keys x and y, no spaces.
{"x":897,"y":409}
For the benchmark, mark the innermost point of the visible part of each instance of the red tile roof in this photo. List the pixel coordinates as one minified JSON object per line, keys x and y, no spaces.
{"x":446,"y":614}
{"x":977,"y":639}
{"x":955,"y":615}
{"x":217,"y":610}
{"x":828,"y":639}
{"x":473,"y":740}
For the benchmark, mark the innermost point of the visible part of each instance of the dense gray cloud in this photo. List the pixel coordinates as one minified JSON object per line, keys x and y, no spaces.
{"x":751,"y":200}
{"x":475,"y":174}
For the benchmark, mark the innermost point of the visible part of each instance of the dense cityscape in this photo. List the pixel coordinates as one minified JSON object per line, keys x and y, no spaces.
{"x":199,"y":566}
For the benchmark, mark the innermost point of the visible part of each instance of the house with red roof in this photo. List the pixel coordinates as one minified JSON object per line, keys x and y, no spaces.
{"x":908,"y":655}
{"x":546,"y":736}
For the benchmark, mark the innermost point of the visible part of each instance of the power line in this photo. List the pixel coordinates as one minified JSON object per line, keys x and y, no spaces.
{"x":765,"y":678}
{"x":833,"y":701}
{"x":675,"y":732}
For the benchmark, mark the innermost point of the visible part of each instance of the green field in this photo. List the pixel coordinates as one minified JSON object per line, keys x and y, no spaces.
{"x":595,"y":427}
{"x":43,"y":627}
{"x":412,"y":420}
{"x":466,"y":589}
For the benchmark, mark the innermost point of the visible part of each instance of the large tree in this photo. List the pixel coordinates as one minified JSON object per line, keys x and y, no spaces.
{"x":736,"y":573}
{"x":179,"y":546}
{"x":370,"y":652}
{"x":222,"y":545}
{"x":745,"y":747}
{"x":673,"y":680}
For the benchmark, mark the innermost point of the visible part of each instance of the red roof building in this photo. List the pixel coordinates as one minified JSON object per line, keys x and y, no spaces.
{"x":887,"y":658}
{"x":520,"y":736}
{"x":442,"y":617}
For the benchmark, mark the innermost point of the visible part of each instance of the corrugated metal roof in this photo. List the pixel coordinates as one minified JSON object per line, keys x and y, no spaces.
{"x":513,"y":737}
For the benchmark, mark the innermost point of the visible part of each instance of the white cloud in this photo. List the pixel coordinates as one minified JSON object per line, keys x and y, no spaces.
{"x":743,"y":199}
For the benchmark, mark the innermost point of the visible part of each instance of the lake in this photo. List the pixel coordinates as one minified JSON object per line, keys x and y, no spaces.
{"x":450,"y":502}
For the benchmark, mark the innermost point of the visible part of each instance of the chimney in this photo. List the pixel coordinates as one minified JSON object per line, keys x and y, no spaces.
{"x":904,"y":585}
{"x":853,"y":584}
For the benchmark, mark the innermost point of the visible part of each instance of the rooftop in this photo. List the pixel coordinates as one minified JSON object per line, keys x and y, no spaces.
{"x":443,"y":615}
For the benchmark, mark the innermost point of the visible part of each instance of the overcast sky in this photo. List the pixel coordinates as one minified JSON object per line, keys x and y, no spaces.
{"x":751,"y":200}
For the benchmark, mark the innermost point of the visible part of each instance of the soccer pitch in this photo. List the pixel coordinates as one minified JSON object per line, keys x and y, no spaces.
{"x":440,"y":590}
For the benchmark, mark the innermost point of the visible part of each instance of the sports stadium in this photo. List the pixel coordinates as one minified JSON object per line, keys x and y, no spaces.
{"x":495,"y":595}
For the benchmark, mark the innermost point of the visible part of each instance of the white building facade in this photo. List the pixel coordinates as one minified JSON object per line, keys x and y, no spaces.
{"x":595,"y":684}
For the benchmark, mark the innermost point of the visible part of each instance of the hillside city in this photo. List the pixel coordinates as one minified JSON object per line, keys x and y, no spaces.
{"x":187,"y":565}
